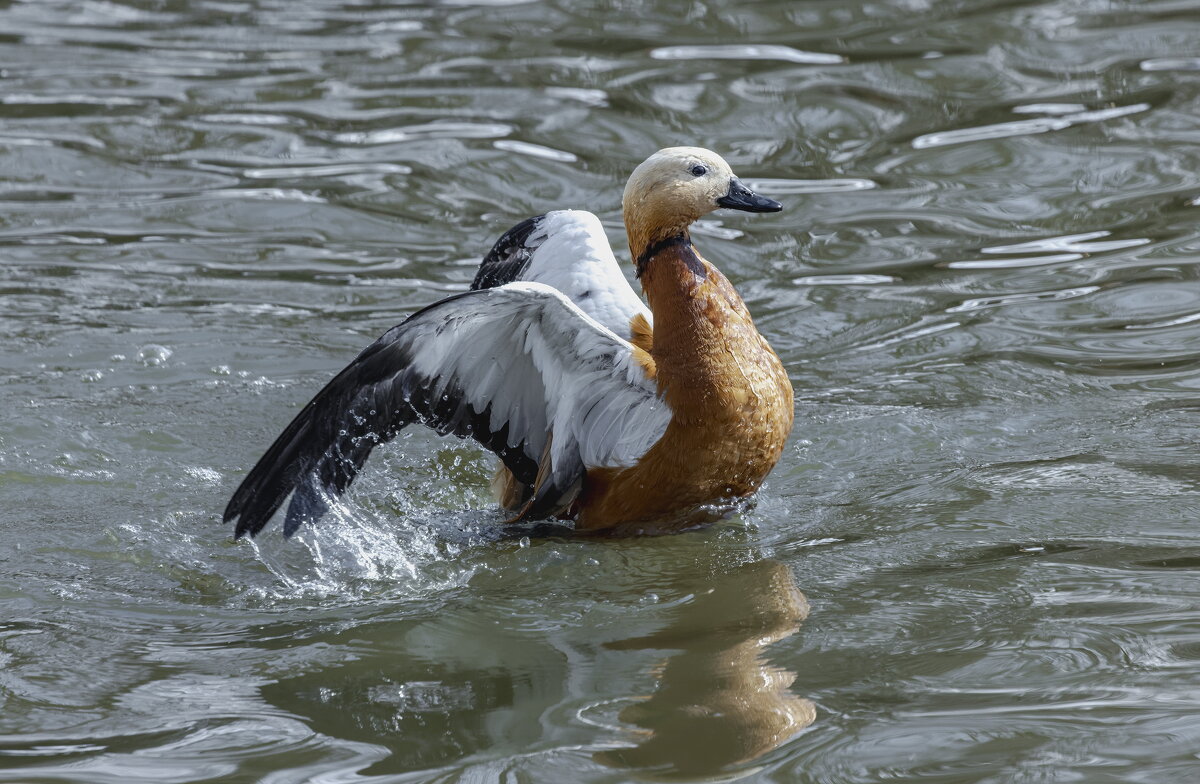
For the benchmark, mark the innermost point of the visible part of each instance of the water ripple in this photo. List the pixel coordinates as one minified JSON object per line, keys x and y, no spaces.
{"x":1011,"y":299}
{"x":745,"y":52}
{"x":1004,"y":130}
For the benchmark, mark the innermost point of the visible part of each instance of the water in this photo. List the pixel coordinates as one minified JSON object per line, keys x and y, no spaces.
{"x":976,"y":562}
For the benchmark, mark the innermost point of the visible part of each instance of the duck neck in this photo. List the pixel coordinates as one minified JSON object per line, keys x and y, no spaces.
{"x":680,"y":288}
{"x":652,"y":228}
{"x":673,"y":248}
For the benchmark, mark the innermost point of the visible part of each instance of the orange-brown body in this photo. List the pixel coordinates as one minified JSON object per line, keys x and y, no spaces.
{"x":730,"y":397}
{"x":731,"y":402}
{"x":628,"y":460}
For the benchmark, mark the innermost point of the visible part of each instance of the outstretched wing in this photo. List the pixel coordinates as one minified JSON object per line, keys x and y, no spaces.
{"x":519,"y":368}
{"x":566,"y":249}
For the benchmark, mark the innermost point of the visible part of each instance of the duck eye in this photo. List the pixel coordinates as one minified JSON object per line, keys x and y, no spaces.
{"x":698,"y":171}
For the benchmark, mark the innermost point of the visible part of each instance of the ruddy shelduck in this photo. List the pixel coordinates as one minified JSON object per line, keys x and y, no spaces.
{"x":623,"y":418}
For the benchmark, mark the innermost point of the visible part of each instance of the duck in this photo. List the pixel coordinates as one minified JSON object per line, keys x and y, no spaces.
{"x":619,"y":415}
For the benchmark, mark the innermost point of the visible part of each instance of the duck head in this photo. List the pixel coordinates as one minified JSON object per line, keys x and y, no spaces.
{"x":676,"y":186}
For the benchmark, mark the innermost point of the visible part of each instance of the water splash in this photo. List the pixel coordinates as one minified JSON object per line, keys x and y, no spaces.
{"x":359,"y":552}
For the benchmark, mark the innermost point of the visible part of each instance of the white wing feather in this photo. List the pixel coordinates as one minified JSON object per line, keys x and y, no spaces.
{"x":565,"y":373}
{"x":517,"y":367}
{"x":567,"y":250}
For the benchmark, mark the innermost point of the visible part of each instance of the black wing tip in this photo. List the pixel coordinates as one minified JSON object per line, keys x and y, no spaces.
{"x":257,"y":499}
{"x":245,"y":525}
{"x":308,"y":505}
{"x":296,"y":463}
{"x":234,"y":514}
{"x":247,"y":510}
{"x":509,"y":257}
{"x":250,"y":526}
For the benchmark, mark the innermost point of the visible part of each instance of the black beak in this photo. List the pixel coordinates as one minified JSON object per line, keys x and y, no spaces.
{"x":742,"y":198}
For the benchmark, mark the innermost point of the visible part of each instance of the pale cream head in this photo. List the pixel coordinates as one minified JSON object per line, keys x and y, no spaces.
{"x":665,"y":188}
{"x":676,"y":186}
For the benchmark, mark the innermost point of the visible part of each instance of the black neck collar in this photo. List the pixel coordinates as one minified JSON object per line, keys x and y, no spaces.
{"x":649,"y":253}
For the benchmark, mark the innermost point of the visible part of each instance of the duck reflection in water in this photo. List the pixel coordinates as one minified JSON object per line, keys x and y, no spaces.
{"x":719,"y":702}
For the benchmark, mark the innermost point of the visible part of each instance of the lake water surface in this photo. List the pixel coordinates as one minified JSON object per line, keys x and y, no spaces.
{"x":978,"y":560}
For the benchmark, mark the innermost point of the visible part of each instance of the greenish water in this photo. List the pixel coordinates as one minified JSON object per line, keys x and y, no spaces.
{"x":976,"y":563}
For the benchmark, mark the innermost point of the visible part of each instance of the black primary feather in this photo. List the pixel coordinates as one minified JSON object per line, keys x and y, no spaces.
{"x":318,"y":455}
{"x":509,"y":257}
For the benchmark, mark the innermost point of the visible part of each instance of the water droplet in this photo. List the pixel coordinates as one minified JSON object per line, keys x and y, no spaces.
{"x":524,"y":542}
{"x":153,"y":355}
